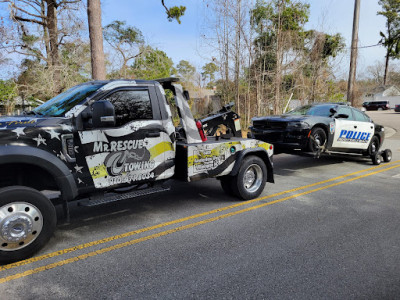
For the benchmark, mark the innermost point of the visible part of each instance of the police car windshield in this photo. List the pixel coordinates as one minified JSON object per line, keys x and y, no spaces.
{"x":62,"y":103}
{"x":312,"y":110}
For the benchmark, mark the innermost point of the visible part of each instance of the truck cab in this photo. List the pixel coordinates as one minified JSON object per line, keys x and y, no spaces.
{"x":105,"y":141}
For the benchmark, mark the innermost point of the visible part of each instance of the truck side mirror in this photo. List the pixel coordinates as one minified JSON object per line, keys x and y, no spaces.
{"x":103,"y":114}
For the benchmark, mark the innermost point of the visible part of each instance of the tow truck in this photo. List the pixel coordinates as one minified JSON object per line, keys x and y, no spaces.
{"x":105,"y":141}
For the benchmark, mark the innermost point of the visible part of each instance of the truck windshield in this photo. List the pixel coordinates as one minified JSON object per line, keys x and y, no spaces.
{"x":62,"y":103}
{"x":313,"y":110}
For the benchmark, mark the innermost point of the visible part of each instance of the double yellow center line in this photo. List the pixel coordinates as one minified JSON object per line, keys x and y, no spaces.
{"x":375,"y":170}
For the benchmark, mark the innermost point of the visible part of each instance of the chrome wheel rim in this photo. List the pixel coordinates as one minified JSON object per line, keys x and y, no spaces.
{"x":20,"y":224}
{"x":252,"y":178}
{"x":374,"y":147}
{"x":318,"y":141}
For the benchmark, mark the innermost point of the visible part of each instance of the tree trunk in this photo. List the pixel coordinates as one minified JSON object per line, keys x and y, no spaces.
{"x":45,"y":32}
{"x":53,"y":41}
{"x":386,"y":68}
{"x":96,"y":40}
{"x":237,"y":54}
{"x":279,"y":54}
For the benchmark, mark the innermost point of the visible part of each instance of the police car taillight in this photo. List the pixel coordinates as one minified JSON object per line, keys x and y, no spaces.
{"x":201,"y":131}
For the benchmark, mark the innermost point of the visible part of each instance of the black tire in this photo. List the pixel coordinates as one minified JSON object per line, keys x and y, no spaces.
{"x":250,"y":180}
{"x":374,"y":146}
{"x":318,"y":135}
{"x":226,"y":184}
{"x":387,"y":155}
{"x":376,"y":158}
{"x":27,"y":221}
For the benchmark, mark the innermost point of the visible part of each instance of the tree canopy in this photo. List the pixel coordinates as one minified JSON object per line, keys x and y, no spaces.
{"x":153,"y":64}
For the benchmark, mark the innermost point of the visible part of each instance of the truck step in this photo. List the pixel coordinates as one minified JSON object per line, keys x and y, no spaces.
{"x":125,"y":196}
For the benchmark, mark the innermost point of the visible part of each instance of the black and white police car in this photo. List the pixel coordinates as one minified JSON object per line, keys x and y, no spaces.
{"x":323,"y":127}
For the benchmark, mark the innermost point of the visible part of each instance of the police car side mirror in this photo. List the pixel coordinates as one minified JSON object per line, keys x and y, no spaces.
{"x":342,"y":116}
{"x":333,"y":111}
{"x":103,"y":114}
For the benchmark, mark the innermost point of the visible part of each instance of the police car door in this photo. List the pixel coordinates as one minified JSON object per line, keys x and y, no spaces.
{"x":351,"y":133}
{"x":132,"y":151}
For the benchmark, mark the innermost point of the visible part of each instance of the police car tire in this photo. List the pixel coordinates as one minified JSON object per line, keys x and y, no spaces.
{"x":36,"y":200}
{"x":238,"y":186}
{"x":314,"y":132}
{"x":226,"y":184}
{"x":376,"y":158}
{"x":375,"y":141}
{"x":387,"y":155}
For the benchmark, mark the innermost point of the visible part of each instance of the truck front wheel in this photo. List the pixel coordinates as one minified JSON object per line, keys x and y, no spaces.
{"x":250,"y":180}
{"x":27,"y":221}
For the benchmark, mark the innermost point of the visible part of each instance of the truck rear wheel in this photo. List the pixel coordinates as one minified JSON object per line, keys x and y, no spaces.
{"x":27,"y":221}
{"x":250,"y":180}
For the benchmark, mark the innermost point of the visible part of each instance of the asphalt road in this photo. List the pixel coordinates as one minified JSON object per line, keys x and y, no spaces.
{"x":327,"y":229}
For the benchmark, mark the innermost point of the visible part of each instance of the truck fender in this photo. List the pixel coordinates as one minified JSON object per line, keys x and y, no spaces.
{"x":40,"y":158}
{"x":260,"y":152}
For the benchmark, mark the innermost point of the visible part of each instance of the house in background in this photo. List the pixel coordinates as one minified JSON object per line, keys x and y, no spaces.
{"x":204,"y":102}
{"x":389,"y":93}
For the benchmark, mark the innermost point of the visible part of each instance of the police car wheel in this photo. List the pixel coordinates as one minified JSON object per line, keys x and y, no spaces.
{"x":250,"y":180}
{"x":317,"y":139}
{"x":387,"y":155}
{"x":373,"y":145}
{"x":376,"y":158}
{"x":27,"y":221}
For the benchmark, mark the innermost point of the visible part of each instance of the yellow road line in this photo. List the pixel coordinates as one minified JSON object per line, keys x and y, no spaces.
{"x":166,"y":232}
{"x":127,"y":234}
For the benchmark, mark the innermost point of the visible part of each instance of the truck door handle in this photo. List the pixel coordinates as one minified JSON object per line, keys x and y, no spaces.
{"x":355,"y":126}
{"x":153,"y":134}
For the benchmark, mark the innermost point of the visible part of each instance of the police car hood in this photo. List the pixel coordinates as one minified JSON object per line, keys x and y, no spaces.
{"x":281,"y":118}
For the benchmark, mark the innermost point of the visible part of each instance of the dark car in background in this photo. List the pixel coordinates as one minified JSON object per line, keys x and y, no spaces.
{"x":321,"y":127}
{"x":397,"y":108}
{"x":376,"y":105}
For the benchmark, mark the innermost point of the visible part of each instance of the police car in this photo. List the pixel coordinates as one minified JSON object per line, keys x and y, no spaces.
{"x":323,"y":127}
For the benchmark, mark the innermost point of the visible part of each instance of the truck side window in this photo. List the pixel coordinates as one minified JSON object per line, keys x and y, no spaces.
{"x":131,"y":105}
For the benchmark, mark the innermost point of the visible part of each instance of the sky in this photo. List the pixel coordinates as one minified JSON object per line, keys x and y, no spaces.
{"x":183,"y":41}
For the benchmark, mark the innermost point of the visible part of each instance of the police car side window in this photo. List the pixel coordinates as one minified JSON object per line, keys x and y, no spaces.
{"x":345,"y":110}
{"x":359,"y":116}
{"x":131,"y":105}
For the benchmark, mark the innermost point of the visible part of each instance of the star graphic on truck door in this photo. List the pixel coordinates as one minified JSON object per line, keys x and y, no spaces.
{"x":78,"y":169}
{"x":19,"y":131}
{"x":53,"y":134}
{"x":66,"y":127}
{"x":40,"y":140}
